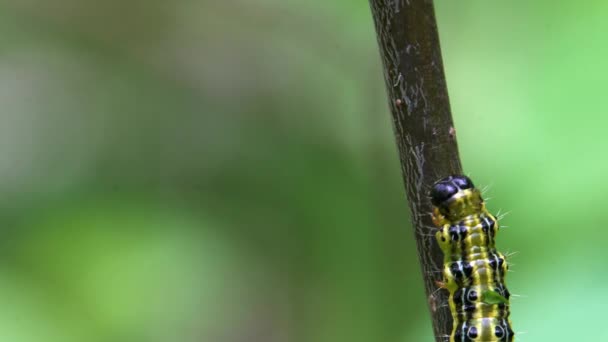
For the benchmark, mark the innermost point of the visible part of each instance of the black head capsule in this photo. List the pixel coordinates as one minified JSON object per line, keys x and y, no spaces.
{"x":444,"y":189}
{"x":455,"y":198}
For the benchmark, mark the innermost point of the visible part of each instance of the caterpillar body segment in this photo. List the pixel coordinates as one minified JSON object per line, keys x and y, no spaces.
{"x":474,"y":271}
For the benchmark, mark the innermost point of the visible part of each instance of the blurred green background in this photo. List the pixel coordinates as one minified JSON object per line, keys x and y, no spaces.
{"x":226,"y":171}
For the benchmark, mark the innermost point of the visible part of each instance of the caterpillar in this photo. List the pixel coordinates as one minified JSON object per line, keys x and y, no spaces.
{"x":473,"y":271}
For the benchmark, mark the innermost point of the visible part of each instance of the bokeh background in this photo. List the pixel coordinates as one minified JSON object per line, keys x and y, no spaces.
{"x":225,"y":171}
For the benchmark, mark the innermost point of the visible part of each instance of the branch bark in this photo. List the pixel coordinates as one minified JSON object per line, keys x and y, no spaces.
{"x":422,"y":122}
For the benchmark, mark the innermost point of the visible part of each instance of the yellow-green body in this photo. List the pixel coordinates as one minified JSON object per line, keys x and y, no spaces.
{"x":474,"y":272}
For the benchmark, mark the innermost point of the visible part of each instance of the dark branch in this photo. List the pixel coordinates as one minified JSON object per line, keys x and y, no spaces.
{"x":422,"y":121}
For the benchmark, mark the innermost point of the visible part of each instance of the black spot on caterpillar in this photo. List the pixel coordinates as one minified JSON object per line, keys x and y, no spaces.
{"x":474,"y":271}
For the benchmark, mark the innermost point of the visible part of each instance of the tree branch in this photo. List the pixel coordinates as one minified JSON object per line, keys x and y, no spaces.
{"x":422,"y":122}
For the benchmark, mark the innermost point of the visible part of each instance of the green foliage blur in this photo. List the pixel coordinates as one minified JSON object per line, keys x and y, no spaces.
{"x":225,"y":171}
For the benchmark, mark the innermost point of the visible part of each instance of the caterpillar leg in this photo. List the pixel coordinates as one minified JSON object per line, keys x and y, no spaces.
{"x":441,"y":284}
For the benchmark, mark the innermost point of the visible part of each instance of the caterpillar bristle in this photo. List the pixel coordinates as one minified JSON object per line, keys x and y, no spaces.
{"x":500,"y":215}
{"x":518,"y":296}
{"x":486,"y":189}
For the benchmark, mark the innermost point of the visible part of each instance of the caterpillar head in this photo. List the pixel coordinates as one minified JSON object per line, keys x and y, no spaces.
{"x":454,"y":198}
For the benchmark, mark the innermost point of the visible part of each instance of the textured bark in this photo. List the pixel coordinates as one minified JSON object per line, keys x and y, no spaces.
{"x":422,"y":122}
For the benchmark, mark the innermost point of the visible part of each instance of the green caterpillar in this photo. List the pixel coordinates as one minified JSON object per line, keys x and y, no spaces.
{"x":474,"y":271}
